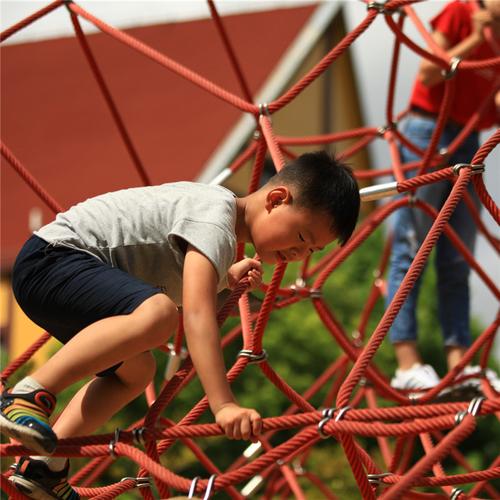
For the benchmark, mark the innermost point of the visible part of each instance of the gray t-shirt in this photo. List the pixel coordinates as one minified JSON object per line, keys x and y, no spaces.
{"x":145,"y":231}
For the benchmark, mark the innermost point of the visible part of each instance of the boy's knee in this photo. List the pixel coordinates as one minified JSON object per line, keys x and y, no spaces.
{"x":159,"y":318}
{"x":138,"y":371}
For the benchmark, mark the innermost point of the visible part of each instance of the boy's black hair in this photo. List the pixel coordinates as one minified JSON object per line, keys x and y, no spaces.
{"x":326,"y":184}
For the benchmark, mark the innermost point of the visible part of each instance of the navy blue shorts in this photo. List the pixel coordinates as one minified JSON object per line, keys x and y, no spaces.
{"x":64,"y":290}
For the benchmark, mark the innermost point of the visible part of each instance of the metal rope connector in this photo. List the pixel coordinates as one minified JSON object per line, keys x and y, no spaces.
{"x":455,"y":493}
{"x":450,"y":73}
{"x":113,"y":442}
{"x":252,"y":449}
{"x":210,"y":485}
{"x":264,"y":110}
{"x":315,"y":293}
{"x":460,"y":416}
{"x":385,"y":128}
{"x":192,"y":488}
{"x":375,"y":479}
{"x":254,"y":358}
{"x":140,"y":482}
{"x":475,"y":405}
{"x":473,"y":409}
{"x":174,"y":361}
{"x":380,"y":7}
{"x":477,"y":168}
{"x":252,"y":486}
{"x":138,"y":436}
{"x":327,"y":416}
{"x":341,"y":413}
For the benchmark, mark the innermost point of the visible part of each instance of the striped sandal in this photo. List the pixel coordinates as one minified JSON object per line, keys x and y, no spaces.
{"x":34,"y":479}
{"x":25,"y":418}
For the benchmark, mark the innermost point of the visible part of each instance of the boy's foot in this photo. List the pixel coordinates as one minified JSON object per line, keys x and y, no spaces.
{"x":418,"y":377}
{"x":35,"y":479}
{"x":25,"y":418}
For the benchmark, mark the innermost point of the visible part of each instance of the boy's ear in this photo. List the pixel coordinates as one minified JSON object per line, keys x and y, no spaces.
{"x":277,"y":196}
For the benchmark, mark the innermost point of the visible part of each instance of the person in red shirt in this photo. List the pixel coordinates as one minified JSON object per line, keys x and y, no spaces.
{"x":467,"y":31}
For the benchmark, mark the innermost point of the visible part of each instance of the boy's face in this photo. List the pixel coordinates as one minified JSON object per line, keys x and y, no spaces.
{"x":285,"y":232}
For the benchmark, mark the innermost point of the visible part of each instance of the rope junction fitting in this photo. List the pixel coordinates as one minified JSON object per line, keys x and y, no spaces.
{"x":451,"y":72}
{"x":473,"y":409}
{"x":113,"y":443}
{"x":254,"y":358}
{"x":455,"y":493}
{"x":140,"y":482}
{"x":138,"y":436}
{"x":192,"y":488}
{"x":210,"y":485}
{"x":327,"y":416}
{"x":264,"y":110}
{"x":385,"y":128}
{"x":376,"y":479}
{"x":477,"y":168}
{"x":381,"y":8}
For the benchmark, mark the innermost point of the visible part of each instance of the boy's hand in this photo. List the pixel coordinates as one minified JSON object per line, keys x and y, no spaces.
{"x":251,"y":268}
{"x":238,"y":422}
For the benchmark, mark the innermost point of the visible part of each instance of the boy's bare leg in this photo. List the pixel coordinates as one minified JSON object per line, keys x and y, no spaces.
{"x":109,"y":341}
{"x":406,"y":354}
{"x":96,"y":402}
{"x":454,"y":354}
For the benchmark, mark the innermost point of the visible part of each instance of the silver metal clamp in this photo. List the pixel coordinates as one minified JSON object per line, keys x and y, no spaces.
{"x":450,"y":73}
{"x":140,"y":482}
{"x":254,"y":358}
{"x":477,"y":168}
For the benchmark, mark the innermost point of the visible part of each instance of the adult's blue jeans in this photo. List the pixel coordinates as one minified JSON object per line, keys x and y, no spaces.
{"x":411,"y":225}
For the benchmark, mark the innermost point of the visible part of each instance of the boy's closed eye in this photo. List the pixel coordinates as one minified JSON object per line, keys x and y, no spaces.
{"x":311,"y":250}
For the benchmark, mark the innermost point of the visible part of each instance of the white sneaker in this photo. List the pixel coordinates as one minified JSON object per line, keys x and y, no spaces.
{"x":476,"y":373}
{"x":417,"y":377}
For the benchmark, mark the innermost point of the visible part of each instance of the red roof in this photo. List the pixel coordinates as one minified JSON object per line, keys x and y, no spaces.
{"x":56,"y":122}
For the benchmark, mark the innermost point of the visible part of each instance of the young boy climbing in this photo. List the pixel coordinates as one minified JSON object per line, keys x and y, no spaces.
{"x":106,"y":279}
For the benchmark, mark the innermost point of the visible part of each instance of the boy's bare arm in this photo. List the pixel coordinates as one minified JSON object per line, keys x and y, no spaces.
{"x":202,"y":336}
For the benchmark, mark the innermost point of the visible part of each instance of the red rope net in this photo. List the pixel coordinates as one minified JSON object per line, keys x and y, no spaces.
{"x":440,"y":427}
